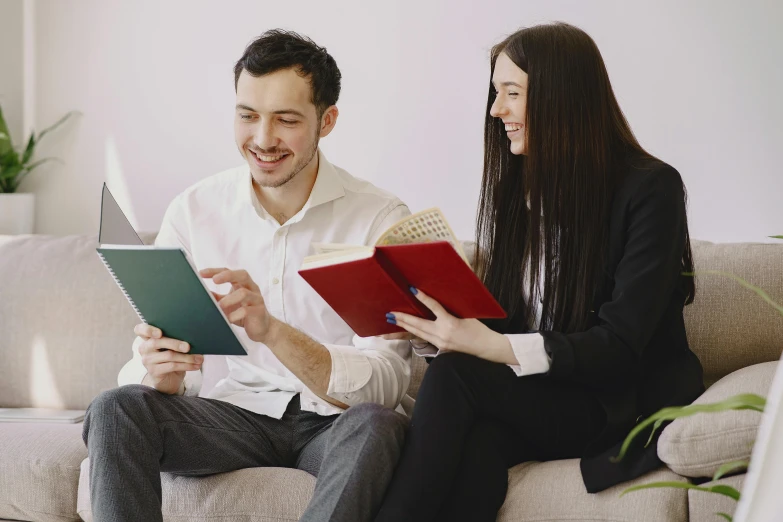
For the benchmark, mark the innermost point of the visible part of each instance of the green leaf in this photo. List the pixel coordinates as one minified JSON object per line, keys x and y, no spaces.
{"x":724,"y":515}
{"x":719,"y":489}
{"x":744,"y":283}
{"x":59,"y":122}
{"x":8,"y":159}
{"x":40,"y":162}
{"x":730,"y":467}
{"x":11,"y":172}
{"x":5,"y":136}
{"x":27,"y":170}
{"x":28,"y":151}
{"x":743,"y":401}
{"x":723,"y":489}
{"x":776,"y":237}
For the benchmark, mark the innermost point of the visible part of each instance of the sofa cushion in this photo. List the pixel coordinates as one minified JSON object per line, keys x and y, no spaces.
{"x":697,"y":446}
{"x":548,"y":491}
{"x":702,"y":506}
{"x":245,"y":495}
{"x":66,"y":327}
{"x":730,"y":327}
{"x":39,"y":470}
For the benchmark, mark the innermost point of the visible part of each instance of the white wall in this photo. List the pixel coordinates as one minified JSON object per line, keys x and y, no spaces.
{"x":700,"y":82}
{"x":11,"y":66}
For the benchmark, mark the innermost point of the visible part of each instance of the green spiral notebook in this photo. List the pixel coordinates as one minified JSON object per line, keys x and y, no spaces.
{"x":166,"y":291}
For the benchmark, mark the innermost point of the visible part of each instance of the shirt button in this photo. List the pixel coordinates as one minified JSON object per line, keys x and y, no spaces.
{"x":275,"y":281}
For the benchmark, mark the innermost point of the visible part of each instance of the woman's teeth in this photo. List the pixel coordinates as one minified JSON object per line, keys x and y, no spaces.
{"x":510,"y":127}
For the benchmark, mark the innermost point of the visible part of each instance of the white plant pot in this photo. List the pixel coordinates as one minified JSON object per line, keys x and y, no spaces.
{"x":17,"y":213}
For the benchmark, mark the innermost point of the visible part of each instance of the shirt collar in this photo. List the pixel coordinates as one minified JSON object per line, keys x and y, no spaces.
{"x":328,"y":187}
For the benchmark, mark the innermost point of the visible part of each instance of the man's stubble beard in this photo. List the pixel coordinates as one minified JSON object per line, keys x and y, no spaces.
{"x":297,"y":168}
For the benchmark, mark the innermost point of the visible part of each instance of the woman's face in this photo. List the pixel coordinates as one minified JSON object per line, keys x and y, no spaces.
{"x":511,"y":101}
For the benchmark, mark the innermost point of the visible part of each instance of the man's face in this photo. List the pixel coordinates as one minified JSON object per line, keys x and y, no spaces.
{"x":276,"y":126}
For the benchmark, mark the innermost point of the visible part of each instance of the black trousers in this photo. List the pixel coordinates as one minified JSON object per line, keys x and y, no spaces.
{"x":472,"y":421}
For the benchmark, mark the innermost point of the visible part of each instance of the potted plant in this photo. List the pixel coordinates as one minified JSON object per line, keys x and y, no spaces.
{"x":16,"y":209}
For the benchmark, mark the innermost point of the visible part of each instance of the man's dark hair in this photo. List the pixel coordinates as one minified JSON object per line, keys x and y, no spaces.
{"x":278,"y":49}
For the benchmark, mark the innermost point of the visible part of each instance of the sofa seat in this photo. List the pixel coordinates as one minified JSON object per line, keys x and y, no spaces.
{"x":39,"y":471}
{"x":245,"y":495}
{"x":550,"y":491}
{"x":277,"y":494}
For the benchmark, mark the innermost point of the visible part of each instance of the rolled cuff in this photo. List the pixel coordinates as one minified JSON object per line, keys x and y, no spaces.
{"x":530,"y":354}
{"x":351,"y":370}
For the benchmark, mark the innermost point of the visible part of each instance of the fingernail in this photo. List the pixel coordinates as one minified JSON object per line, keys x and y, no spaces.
{"x":414,"y":291}
{"x":199,"y":359}
{"x":157,"y":333}
{"x":391,"y":320}
{"x":183,"y":347}
{"x":390,"y":316}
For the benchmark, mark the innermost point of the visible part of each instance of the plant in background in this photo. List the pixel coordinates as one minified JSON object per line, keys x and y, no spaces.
{"x":15,"y":164}
{"x":744,"y":401}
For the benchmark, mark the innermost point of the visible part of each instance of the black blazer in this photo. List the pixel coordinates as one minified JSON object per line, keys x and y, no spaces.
{"x":635,"y":357}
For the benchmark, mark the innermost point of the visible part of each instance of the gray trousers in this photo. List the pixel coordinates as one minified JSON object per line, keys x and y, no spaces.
{"x":134,"y":432}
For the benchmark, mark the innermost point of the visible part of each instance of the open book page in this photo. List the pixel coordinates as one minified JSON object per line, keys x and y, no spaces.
{"x":422,"y":227}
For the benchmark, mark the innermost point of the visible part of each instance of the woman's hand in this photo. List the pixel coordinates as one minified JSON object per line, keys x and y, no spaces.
{"x":450,"y":333}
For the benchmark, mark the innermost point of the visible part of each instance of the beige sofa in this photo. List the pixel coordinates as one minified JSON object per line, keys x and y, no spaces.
{"x":65,"y":331}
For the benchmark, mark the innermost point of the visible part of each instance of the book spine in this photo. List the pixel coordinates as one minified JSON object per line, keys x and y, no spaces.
{"x":122,"y":288}
{"x":402,"y":284}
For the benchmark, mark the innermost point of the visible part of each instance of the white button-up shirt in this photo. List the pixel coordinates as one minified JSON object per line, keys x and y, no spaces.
{"x":219,"y":222}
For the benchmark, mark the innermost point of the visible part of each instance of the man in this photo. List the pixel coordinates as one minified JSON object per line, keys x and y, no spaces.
{"x":248,"y":229}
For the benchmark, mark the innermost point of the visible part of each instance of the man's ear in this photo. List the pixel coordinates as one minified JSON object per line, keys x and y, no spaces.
{"x":328,"y":121}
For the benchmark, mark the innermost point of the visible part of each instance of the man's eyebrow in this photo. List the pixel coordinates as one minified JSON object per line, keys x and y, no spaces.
{"x":293,"y":112}
{"x":290,"y":111}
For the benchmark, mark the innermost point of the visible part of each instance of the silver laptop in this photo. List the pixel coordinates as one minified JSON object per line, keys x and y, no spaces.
{"x":115,"y":227}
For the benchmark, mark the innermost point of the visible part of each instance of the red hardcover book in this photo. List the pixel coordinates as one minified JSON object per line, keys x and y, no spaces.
{"x":367,"y":283}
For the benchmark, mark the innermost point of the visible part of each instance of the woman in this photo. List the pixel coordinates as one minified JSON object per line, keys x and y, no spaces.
{"x":582,"y":236}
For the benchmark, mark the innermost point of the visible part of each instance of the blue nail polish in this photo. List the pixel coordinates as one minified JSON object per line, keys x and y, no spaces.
{"x":391,"y":321}
{"x":414,"y":291}
{"x":390,"y":316}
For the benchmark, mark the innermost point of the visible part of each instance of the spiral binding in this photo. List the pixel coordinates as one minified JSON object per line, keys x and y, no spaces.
{"x":122,"y":288}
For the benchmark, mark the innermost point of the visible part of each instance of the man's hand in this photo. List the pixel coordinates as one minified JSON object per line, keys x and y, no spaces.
{"x":165,"y":359}
{"x":243,"y":305}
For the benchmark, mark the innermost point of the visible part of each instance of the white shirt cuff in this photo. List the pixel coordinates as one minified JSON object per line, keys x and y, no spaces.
{"x":350,"y":370}
{"x":425,"y":349}
{"x":530,"y":354}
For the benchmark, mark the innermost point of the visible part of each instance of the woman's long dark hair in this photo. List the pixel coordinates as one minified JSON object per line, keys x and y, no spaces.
{"x":578,"y":143}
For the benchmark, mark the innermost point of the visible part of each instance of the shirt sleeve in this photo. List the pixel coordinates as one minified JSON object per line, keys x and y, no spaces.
{"x":530,"y":353}
{"x":370,"y":370}
{"x":173,"y":233}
